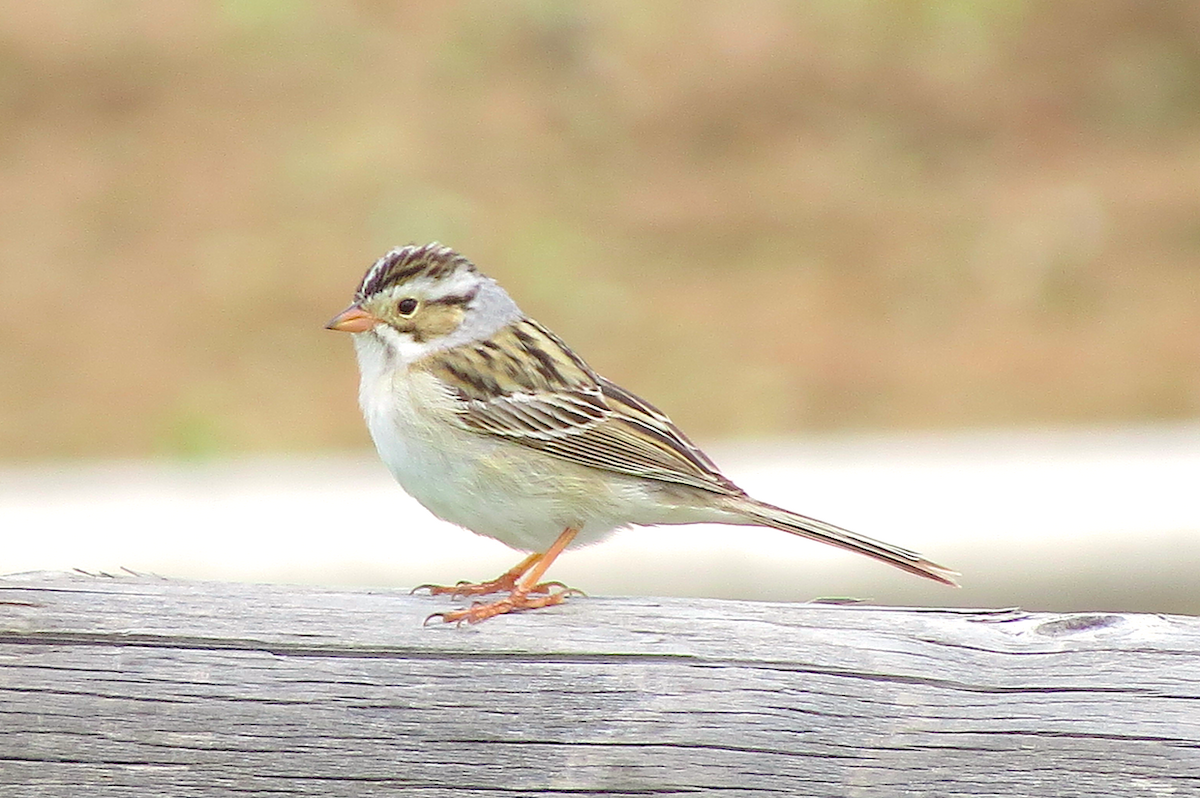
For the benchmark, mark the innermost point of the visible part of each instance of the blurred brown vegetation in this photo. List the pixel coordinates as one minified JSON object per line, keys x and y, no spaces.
{"x":767,"y":217}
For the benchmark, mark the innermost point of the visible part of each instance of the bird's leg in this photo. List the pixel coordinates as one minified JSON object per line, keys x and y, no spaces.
{"x":519,"y":599}
{"x":503,"y":583}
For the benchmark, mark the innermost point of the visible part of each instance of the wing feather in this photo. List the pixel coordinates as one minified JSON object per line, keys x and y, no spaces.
{"x":525,"y":385}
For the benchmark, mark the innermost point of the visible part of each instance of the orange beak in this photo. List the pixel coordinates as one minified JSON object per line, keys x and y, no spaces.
{"x":353,"y":319}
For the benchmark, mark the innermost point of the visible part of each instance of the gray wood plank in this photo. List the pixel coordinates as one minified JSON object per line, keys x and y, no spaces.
{"x":143,"y":686}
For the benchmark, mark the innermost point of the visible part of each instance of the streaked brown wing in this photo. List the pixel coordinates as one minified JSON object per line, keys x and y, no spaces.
{"x":651,"y":426}
{"x":524,"y":384}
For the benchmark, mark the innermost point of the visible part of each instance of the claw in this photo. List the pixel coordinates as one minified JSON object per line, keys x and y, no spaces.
{"x":563,"y":589}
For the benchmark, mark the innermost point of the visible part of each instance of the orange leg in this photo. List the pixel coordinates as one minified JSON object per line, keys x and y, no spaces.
{"x":504,"y":583}
{"x":519,"y":599}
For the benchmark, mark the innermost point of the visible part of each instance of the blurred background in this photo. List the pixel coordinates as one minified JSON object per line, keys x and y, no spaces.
{"x":927,"y":269}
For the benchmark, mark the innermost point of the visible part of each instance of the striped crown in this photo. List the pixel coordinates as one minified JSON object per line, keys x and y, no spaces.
{"x":403,"y":264}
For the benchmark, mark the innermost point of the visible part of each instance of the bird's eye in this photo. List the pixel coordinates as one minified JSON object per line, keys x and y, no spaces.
{"x":407,"y":306}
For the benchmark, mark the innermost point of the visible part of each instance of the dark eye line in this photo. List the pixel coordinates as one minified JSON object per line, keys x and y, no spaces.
{"x":453,"y":299}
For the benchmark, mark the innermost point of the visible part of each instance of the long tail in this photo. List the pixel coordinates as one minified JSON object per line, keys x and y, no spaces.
{"x":811,"y":528}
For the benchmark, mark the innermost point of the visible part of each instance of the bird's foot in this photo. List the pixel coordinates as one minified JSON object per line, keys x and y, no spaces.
{"x":502,"y":584}
{"x":519,"y":600}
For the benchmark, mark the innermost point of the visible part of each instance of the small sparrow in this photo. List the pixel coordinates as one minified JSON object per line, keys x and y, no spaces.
{"x":491,"y":422}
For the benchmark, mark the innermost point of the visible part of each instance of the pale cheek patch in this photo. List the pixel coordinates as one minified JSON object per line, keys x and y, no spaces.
{"x":436,"y":321}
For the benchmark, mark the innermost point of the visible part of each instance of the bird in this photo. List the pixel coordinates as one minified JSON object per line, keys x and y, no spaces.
{"x":493,"y":423}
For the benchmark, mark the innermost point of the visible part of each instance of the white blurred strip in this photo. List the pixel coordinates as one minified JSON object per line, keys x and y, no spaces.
{"x":972,"y":501}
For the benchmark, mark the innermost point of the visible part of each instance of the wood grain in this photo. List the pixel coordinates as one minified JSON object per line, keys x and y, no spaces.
{"x":143,"y":686}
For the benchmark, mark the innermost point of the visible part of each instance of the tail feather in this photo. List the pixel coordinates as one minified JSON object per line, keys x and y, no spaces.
{"x":811,"y":528}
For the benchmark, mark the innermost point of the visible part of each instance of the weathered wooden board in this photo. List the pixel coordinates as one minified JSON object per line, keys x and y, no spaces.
{"x":141,"y":686}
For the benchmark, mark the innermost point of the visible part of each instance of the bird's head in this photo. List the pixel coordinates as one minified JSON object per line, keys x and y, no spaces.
{"x":418,"y":299}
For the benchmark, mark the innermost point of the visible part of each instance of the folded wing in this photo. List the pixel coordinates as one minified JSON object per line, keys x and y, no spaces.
{"x":525,"y":385}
